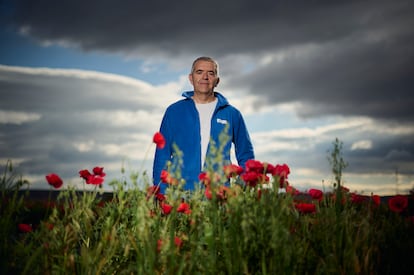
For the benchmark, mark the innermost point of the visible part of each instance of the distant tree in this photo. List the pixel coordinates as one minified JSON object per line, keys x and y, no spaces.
{"x":337,"y":162}
{"x":337,"y":165}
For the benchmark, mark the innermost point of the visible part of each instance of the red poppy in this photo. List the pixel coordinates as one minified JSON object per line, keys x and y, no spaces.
{"x":159,"y":140}
{"x":270,"y":168}
{"x":316,"y":194}
{"x":207,"y":193}
{"x":54,"y":180}
{"x":291,"y":190}
{"x":223,"y":192}
{"x":159,"y":245}
{"x":24,"y":227}
{"x":376,"y":200}
{"x":282,"y":172}
{"x":184,"y":208}
{"x":251,"y":178}
{"x":85,"y":174}
{"x":160,"y":197}
{"x":167,"y":178}
{"x":357,"y":199}
{"x":204,"y":178}
{"x":253,"y":165}
{"x":305,"y":208}
{"x":95,"y":180}
{"x":178,"y":242}
{"x":232,"y":170}
{"x":166,"y":208}
{"x":152,"y":191}
{"x":398,"y":203}
{"x":99,"y":171}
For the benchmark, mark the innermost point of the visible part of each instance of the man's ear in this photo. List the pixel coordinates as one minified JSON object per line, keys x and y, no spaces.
{"x":217,"y":82}
{"x":190,"y":77}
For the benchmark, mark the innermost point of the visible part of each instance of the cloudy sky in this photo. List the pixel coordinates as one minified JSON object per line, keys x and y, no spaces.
{"x":85,"y":83}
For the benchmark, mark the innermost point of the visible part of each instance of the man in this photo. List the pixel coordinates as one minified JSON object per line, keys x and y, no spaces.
{"x":195,"y":124}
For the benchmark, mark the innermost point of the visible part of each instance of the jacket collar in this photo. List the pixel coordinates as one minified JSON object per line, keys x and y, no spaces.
{"x":222,"y":101}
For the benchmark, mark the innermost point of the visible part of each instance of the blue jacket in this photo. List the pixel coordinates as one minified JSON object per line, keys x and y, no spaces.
{"x":181,"y":126}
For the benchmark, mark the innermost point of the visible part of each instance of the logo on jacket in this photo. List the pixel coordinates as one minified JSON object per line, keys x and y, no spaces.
{"x":221,"y":121}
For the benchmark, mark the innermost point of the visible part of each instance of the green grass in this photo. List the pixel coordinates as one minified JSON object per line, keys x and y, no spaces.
{"x":242,"y":232}
{"x":241,"y":235}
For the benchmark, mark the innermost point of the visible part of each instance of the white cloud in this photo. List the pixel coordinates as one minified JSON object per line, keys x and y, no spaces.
{"x":361,"y":145}
{"x":18,"y":118}
{"x":72,"y":73}
{"x":124,"y":118}
{"x":378,"y":183}
{"x":84,"y":146}
{"x":341,"y":124}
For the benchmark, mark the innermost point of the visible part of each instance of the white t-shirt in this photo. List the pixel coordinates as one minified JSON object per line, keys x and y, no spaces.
{"x":205,"y":112}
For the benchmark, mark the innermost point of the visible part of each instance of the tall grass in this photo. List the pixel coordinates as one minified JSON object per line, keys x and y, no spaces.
{"x":248,"y":230}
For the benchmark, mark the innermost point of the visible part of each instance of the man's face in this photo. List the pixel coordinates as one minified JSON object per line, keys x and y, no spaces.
{"x":204,"y":77}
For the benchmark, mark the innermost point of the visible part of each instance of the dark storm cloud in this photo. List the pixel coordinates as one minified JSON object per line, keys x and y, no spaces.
{"x":349,"y":57}
{"x":175,"y":27}
{"x":351,"y":77}
{"x":225,"y":27}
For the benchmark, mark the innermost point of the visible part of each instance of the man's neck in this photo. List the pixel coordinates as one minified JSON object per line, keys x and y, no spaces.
{"x":203,"y":98}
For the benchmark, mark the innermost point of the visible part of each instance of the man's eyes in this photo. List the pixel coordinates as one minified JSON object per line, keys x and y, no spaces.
{"x":212,"y":73}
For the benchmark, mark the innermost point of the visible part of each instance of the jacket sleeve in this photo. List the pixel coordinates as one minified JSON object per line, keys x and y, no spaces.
{"x":242,"y":143}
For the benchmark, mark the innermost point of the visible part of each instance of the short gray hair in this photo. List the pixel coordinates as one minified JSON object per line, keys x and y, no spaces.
{"x":208,"y":59}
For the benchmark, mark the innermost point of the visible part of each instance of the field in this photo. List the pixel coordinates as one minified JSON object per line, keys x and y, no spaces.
{"x":239,"y":222}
